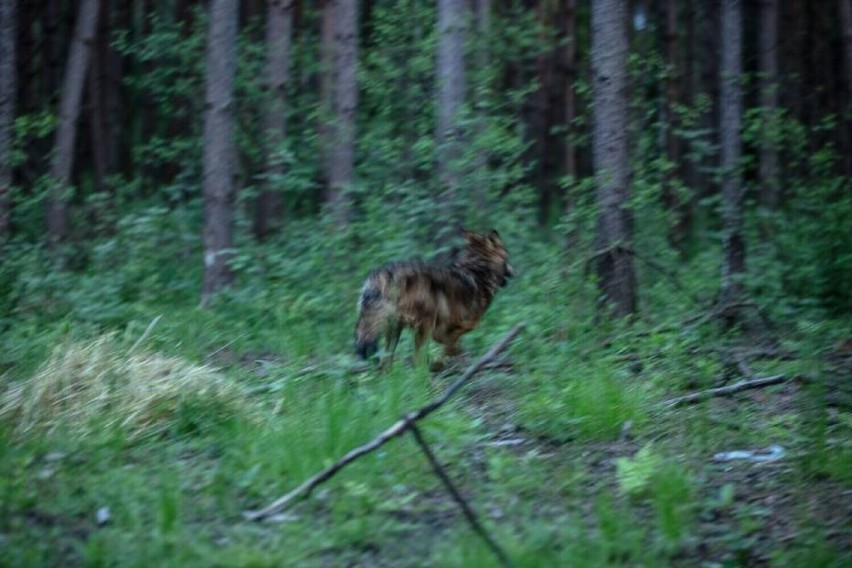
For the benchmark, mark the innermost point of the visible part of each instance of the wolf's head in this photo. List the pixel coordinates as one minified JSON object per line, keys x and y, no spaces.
{"x":489,"y":252}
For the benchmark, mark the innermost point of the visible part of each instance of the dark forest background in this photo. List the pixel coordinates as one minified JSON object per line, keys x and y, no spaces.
{"x":439,"y":113}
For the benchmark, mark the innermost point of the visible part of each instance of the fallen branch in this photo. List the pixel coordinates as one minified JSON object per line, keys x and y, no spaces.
{"x":471,"y":517}
{"x":398,"y":428}
{"x":725,"y":391}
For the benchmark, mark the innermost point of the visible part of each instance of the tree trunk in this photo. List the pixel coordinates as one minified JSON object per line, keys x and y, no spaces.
{"x":8,"y":94}
{"x":69,"y":113}
{"x":768,"y":64}
{"x":103,"y":147}
{"x":26,"y":55}
{"x":451,"y":93}
{"x":676,"y":203}
{"x":53,"y":46}
{"x":846,"y":125}
{"x":846,"y":22}
{"x":482,"y":11}
{"x":342,"y":167}
{"x":278,"y":32}
{"x":570,"y":66}
{"x":689,"y":89}
{"x":327,"y":86}
{"x":542,"y":154}
{"x":219,"y":146}
{"x":614,"y":262}
{"x":733,"y":239}
{"x":707,"y":83}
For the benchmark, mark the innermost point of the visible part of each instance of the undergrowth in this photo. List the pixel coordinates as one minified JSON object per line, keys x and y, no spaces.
{"x":121,"y":393}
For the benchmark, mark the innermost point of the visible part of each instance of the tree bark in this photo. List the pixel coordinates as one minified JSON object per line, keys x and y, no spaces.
{"x":846,"y":125}
{"x":768,"y":64}
{"x":733,"y":239}
{"x":846,"y":22}
{"x":614,"y":263}
{"x":342,"y":167}
{"x":676,"y":203}
{"x":327,"y":85}
{"x":26,"y":55}
{"x":542,"y":119}
{"x":8,"y":94}
{"x":53,"y":46}
{"x":452,"y":85}
{"x":482,"y":11}
{"x":219,"y":146}
{"x":279,"y":26}
{"x":570,"y":66}
{"x":100,"y":115}
{"x":69,"y":113}
{"x":707,"y":50}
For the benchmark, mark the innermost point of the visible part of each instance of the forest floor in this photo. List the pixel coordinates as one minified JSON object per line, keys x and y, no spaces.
{"x":144,"y":443}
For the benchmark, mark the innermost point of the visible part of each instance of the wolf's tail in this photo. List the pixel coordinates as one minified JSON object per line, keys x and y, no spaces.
{"x":375,"y":311}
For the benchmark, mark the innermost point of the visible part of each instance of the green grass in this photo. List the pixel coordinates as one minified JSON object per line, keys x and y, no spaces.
{"x":535,"y":450}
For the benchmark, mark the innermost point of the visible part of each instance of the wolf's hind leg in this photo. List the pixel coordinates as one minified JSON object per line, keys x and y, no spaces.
{"x":450,"y":341}
{"x":452,"y":348}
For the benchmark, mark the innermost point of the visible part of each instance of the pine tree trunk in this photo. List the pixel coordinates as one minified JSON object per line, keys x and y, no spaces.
{"x":69,"y":113}
{"x":846,"y":22}
{"x":846,"y":124}
{"x":689,"y":90}
{"x":28,"y":85}
{"x":342,"y":167}
{"x":570,"y":66}
{"x":279,"y":25}
{"x":219,"y":155}
{"x":53,"y":47}
{"x":541,"y":123}
{"x":98,"y":110}
{"x":451,"y":94}
{"x":707,"y":78}
{"x":8,"y":94}
{"x":768,"y":64}
{"x":614,"y":233}
{"x":733,"y":239}
{"x":677,"y":204}
{"x":482,"y":11}
{"x":327,"y":83}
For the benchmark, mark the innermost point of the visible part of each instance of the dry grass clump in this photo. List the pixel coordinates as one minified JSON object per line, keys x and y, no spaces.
{"x":103,"y":384}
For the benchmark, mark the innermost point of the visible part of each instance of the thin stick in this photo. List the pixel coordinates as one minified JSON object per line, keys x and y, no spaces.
{"x":725,"y":391}
{"x":471,"y":517}
{"x":403,"y":424}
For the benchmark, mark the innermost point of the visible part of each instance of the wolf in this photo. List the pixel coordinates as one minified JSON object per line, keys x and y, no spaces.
{"x":441,"y":299}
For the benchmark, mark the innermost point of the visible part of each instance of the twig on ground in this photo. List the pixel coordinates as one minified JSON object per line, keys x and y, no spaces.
{"x":471,"y":517}
{"x":395,"y":430}
{"x":726,"y":390}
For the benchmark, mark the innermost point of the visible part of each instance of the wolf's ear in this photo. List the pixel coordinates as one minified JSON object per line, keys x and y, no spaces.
{"x":494,"y":234}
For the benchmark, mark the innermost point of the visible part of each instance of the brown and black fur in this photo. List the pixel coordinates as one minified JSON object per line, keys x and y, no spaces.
{"x":439,"y":299}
